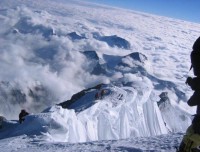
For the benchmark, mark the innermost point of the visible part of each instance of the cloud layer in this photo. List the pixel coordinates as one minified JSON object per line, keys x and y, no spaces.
{"x":38,"y":50}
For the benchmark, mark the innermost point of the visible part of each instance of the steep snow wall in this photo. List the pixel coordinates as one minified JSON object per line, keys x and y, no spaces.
{"x":124,"y":112}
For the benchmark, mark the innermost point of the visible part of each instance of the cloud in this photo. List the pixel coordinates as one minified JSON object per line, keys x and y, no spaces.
{"x":35,"y":49}
{"x":30,"y":59}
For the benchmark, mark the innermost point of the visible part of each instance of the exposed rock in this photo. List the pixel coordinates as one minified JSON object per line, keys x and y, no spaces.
{"x":75,"y":36}
{"x":67,"y":104}
{"x":113,"y":41}
{"x":2,"y":119}
{"x":134,"y":62}
{"x":164,"y":100}
{"x":96,"y":67}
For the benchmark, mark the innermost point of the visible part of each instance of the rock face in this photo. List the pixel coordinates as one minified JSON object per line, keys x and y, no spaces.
{"x":95,"y":67}
{"x":134,"y":63}
{"x":164,"y":100}
{"x":75,"y":36}
{"x":134,"y":59}
{"x":113,"y":41}
{"x":2,"y":119}
{"x":74,"y":101}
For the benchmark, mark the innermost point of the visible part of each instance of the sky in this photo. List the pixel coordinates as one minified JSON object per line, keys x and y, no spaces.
{"x":181,"y":9}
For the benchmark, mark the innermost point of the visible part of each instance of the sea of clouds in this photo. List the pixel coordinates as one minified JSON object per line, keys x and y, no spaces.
{"x":37,"y":51}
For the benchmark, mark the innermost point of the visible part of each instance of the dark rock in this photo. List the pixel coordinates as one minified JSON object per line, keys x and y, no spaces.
{"x":164,"y":100}
{"x":96,"y":67}
{"x":114,"y":40}
{"x":67,"y":104}
{"x":136,"y":62}
{"x":75,"y":36}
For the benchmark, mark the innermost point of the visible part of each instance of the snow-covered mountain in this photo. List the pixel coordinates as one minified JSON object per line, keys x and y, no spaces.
{"x":102,"y":74}
{"x":125,"y":112}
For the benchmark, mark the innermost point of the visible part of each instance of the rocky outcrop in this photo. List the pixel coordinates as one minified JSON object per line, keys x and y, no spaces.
{"x":95,"y":67}
{"x":74,"y":36}
{"x":68,"y":104}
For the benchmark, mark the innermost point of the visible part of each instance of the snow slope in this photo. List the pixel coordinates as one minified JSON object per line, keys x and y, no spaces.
{"x":125,"y":112}
{"x":164,"y":143}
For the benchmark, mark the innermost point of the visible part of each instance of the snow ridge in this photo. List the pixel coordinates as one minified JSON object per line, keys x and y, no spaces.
{"x":119,"y":113}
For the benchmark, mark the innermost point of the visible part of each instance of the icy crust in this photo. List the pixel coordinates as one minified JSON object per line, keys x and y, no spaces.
{"x":122,"y":113}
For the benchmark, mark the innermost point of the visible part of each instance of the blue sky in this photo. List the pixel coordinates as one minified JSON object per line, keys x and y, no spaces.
{"x":188,"y":10}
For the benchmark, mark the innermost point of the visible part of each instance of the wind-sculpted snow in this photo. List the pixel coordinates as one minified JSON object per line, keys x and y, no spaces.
{"x":173,"y":116}
{"x":125,"y":112}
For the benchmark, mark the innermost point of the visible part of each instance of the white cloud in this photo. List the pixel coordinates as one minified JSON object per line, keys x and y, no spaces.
{"x":55,"y":61}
